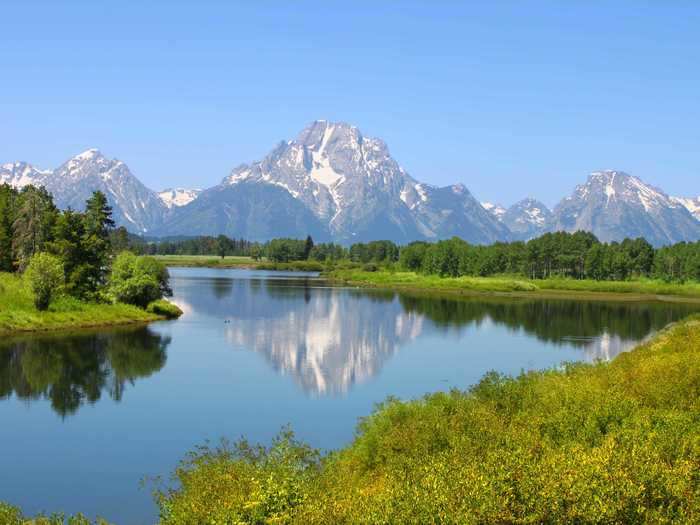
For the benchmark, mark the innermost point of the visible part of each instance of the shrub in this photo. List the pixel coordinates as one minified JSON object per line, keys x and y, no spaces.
{"x":164,"y":308}
{"x":614,"y":442}
{"x":45,"y":277}
{"x":10,"y":515}
{"x":138,"y":280}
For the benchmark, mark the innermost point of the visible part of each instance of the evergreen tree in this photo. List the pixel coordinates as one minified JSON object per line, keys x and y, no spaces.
{"x":308,"y":246}
{"x":33,"y":223}
{"x":97,"y":225}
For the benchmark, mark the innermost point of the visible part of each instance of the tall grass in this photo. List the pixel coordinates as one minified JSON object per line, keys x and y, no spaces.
{"x":611,"y":442}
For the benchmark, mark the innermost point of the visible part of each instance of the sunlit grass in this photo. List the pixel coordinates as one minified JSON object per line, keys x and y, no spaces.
{"x":17,"y":311}
{"x":414,"y":281}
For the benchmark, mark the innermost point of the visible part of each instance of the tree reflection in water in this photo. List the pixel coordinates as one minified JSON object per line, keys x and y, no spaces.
{"x":73,"y":369}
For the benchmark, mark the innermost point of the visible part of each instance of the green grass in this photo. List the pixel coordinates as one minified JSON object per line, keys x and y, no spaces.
{"x":507,"y":284}
{"x":18,"y":314}
{"x":614,"y":442}
{"x":208,"y":261}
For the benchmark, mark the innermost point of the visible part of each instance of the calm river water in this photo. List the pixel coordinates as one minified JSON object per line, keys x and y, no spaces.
{"x":84,"y":417}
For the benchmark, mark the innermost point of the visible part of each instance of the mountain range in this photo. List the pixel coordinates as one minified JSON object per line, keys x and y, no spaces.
{"x":334,"y":183}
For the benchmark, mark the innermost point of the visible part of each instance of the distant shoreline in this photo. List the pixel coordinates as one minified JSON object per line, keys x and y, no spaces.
{"x":643,"y":290}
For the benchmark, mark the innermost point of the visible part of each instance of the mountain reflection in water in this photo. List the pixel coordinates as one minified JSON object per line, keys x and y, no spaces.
{"x":330,"y":338}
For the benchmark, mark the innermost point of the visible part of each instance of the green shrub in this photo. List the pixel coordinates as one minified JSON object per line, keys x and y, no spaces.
{"x":614,"y":442}
{"x":241,"y":483}
{"x":45,"y":277}
{"x":164,"y":308}
{"x":138,"y":280}
{"x":10,"y":515}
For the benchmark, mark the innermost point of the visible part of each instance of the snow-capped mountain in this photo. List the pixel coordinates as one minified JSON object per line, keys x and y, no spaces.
{"x":496,"y":210}
{"x":334,"y":183}
{"x":352,"y":187}
{"x":614,"y":205}
{"x":527,"y":219}
{"x":692,"y":205}
{"x":178,"y":196}
{"x":20,"y":174}
{"x":135,"y":206}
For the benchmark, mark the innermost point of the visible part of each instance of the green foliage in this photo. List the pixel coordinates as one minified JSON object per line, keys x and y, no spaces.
{"x":138,"y":280}
{"x":18,"y":313}
{"x":45,"y":278}
{"x":10,"y":515}
{"x":33,"y":220}
{"x":240,"y":483}
{"x":165,"y":309}
{"x":614,"y":442}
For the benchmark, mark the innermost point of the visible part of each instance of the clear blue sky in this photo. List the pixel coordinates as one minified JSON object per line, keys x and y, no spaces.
{"x":510,"y":98}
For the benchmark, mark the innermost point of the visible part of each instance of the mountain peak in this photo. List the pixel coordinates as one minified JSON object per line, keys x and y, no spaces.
{"x":88,"y":154}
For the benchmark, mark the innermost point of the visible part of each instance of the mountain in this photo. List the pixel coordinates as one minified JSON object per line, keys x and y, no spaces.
{"x":247,"y":210}
{"x":692,"y":205}
{"x":614,"y":205}
{"x":527,"y":219}
{"x":178,"y":196}
{"x":20,"y":174}
{"x":134,"y":206}
{"x":348,"y":183}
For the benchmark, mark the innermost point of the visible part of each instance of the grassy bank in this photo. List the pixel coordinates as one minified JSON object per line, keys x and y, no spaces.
{"x":207,"y":261}
{"x":614,"y":442}
{"x":18,"y":314}
{"x":210,"y":261}
{"x":556,"y":287}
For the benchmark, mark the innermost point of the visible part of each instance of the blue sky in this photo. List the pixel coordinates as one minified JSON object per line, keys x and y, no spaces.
{"x":510,"y":98}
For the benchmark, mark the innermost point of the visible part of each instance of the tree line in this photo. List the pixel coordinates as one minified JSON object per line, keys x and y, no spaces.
{"x":578,"y":255}
{"x":66,"y":251}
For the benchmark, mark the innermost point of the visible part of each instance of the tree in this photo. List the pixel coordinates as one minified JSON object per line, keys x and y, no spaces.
{"x":308,"y":246}
{"x":8,"y":196}
{"x":138,"y":280}
{"x":45,"y":277}
{"x":97,"y":225}
{"x":223,"y":245}
{"x":32,"y":225}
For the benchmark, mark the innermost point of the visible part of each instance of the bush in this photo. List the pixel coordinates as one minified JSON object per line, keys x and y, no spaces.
{"x":45,"y":277}
{"x":614,"y":442}
{"x":370,"y":267}
{"x":164,"y":308}
{"x":10,"y":515}
{"x":138,"y":280}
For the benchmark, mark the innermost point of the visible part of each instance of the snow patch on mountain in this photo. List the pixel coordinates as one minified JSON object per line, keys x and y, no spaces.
{"x":496,"y":210}
{"x":176,"y":197}
{"x":692,"y":205}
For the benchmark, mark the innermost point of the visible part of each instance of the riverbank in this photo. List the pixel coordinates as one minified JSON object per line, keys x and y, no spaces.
{"x":237,"y":262}
{"x":514,"y":286}
{"x":610,"y":442}
{"x":18,"y":314}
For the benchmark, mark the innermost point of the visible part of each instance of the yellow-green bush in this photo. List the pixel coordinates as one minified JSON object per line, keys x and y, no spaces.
{"x":165,"y":308}
{"x":603,"y":443}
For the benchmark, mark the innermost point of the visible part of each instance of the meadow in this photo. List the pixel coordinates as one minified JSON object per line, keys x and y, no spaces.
{"x":412,"y":281}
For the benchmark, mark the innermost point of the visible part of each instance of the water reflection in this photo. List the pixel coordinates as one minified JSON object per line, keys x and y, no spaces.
{"x":329,"y":339}
{"x":70,"y":370}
